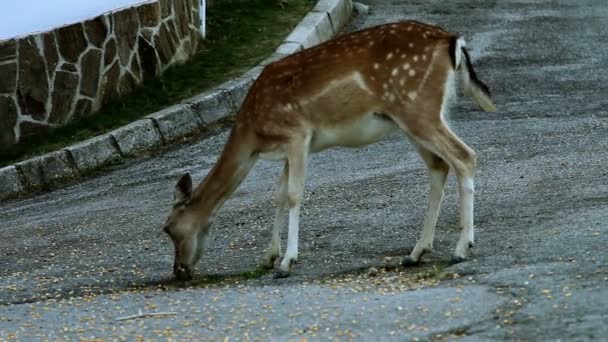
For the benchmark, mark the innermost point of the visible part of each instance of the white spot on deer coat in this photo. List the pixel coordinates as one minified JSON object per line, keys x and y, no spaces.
{"x":355,"y":77}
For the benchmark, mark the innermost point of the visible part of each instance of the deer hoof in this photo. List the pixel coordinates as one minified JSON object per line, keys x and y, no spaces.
{"x":409,"y":262}
{"x":456,"y":260}
{"x":280,"y":274}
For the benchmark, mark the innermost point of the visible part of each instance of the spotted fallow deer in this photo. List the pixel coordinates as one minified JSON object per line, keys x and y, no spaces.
{"x":350,"y":91}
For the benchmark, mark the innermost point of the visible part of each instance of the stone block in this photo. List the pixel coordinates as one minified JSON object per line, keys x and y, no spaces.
{"x":149,"y":61}
{"x":109,"y":52}
{"x":9,"y":182}
{"x":71,"y":41}
{"x":138,"y":136}
{"x":47,"y":168}
{"x":33,"y":89}
{"x":147,"y":34}
{"x":8,"y":50}
{"x":30,"y":128}
{"x":238,"y":89}
{"x":172,"y":29}
{"x":69,"y":67}
{"x":165,"y":45}
{"x":126,"y":28}
{"x":339,"y":11}
{"x":177,"y":121}
{"x":64,"y":92}
{"x":183,"y":52}
{"x":166,"y":8}
{"x":8,"y":119}
{"x":360,"y":8}
{"x":273,"y":58}
{"x":315,"y":28}
{"x":96,"y":31}
{"x":126,"y":84}
{"x":289,"y":48}
{"x":90,"y":63}
{"x":51,"y":55}
{"x":93,"y":153}
{"x":323,"y":25}
{"x":149,"y":14}
{"x":212,"y":106}
{"x":109,"y":83}
{"x":83,"y":107}
{"x":8,"y":80}
{"x":254,"y":73}
{"x":135,"y":68}
{"x":182,"y":17}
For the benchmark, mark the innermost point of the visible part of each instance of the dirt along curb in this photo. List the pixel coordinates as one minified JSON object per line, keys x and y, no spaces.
{"x":171,"y":124}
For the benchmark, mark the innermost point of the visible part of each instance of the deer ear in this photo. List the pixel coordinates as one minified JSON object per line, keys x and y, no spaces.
{"x":183,"y":189}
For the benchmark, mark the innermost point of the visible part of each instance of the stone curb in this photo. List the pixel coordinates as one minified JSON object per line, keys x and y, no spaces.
{"x":137,"y":137}
{"x":176,"y":122}
{"x":94,"y":152}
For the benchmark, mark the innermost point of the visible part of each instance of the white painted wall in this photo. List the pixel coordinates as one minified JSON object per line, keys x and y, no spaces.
{"x":202,"y":13}
{"x":22,"y":17}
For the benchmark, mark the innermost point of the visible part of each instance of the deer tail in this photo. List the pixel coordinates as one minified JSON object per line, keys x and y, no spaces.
{"x":473,"y":86}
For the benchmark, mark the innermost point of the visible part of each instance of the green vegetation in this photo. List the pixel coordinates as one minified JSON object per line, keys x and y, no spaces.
{"x":221,"y":279}
{"x":436,"y":272}
{"x":240,"y":34}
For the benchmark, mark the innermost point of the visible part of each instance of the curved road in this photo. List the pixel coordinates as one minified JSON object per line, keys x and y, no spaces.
{"x":75,"y":259}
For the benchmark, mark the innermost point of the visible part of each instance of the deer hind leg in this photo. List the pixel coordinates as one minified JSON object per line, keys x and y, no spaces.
{"x":274,"y":250}
{"x":437,"y":138}
{"x":438,"y":171}
{"x":297,"y":156}
{"x":462,"y":159}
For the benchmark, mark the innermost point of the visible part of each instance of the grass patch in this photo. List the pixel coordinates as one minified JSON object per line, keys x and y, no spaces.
{"x":221,"y":279}
{"x":240,"y":34}
{"x":436,"y":272}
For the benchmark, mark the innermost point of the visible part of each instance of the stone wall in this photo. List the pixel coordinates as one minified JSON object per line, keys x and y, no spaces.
{"x":50,"y":78}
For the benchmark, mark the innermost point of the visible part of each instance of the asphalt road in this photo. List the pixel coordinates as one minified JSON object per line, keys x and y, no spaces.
{"x":74,"y":260}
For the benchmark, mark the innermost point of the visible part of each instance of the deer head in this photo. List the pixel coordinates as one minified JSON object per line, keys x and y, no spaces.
{"x":186,"y":229}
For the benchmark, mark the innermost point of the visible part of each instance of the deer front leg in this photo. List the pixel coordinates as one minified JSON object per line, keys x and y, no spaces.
{"x":297,"y":156}
{"x":438,"y":171}
{"x":274,"y":250}
{"x":467,"y":234}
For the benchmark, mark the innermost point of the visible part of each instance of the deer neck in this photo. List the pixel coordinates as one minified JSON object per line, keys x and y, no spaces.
{"x":233,"y":165}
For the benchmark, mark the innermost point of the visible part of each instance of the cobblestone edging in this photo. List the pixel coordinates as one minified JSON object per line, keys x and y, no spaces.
{"x":170,"y":124}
